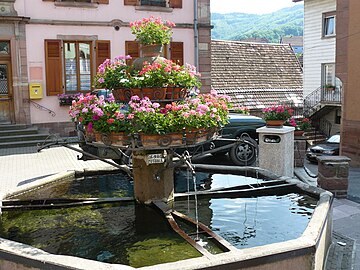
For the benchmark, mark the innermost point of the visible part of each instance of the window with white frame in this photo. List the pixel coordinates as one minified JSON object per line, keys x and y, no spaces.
{"x":328,"y":75}
{"x":329,"y":20}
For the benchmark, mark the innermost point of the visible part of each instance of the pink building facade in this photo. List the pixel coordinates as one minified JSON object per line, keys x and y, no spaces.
{"x":52,"y":47}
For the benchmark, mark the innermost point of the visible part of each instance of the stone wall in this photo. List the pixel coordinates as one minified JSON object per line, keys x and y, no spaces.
{"x":299,"y":152}
{"x":334,"y":174}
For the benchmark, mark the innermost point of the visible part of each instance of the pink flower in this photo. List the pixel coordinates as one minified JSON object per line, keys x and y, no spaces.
{"x":164,"y":110}
{"x":119,"y":115}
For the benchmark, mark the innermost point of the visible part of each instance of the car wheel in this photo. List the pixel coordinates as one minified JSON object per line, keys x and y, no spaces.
{"x":243,"y":153}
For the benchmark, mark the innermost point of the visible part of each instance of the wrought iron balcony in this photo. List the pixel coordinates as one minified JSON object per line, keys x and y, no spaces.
{"x":322,"y":96}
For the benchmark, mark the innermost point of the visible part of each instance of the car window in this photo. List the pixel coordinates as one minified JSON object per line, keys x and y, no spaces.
{"x":334,"y":139}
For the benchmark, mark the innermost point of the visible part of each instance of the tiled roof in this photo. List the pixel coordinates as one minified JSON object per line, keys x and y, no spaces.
{"x":255,"y":39}
{"x":242,"y":65}
{"x":293,"y":41}
{"x":256,"y":99}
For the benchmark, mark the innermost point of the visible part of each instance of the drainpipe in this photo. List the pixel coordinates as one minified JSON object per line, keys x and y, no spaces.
{"x":196,"y":34}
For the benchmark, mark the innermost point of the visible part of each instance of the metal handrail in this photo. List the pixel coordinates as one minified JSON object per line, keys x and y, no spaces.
{"x":321,"y":95}
{"x":42,"y":108}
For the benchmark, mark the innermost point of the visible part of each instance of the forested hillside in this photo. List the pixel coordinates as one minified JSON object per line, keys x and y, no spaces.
{"x":237,"y":26}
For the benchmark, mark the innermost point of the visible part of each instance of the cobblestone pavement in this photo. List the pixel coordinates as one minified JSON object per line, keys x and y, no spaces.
{"x":19,"y":166}
{"x":341,"y":253}
{"x":346,"y":221}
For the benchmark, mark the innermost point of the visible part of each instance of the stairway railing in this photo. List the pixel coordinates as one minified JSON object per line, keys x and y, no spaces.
{"x":42,"y":108}
{"x":319,"y":96}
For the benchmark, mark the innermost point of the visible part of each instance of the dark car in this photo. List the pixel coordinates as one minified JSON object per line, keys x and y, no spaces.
{"x":240,"y":126}
{"x":328,"y":148}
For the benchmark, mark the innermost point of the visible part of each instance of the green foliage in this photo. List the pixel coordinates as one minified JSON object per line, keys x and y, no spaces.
{"x":272,"y":26}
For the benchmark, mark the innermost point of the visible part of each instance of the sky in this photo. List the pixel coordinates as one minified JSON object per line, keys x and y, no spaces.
{"x":249,"y":6}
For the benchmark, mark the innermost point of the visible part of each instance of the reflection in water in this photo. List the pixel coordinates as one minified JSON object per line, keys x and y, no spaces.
{"x":99,"y":186}
{"x":210,"y":181}
{"x":250,"y":222}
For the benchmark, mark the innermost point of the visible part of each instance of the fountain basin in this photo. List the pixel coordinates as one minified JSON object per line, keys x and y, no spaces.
{"x":305,"y":252}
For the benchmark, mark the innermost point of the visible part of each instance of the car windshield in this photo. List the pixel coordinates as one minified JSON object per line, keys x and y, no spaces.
{"x":334,"y":139}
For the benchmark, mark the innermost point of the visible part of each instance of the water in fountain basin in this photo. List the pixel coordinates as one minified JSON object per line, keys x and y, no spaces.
{"x":136,"y":235}
{"x":250,"y":222}
{"x":127,"y":234}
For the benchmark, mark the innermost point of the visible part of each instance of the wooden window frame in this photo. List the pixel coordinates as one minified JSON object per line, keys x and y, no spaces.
{"x":326,"y":16}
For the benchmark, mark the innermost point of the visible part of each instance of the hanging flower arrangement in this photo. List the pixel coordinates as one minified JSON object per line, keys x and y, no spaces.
{"x":165,"y":73}
{"x":149,"y":31}
{"x":143,"y":116}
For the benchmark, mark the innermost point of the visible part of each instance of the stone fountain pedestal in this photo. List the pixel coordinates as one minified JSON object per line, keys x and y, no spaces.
{"x":276,"y":150}
{"x":153,"y":176}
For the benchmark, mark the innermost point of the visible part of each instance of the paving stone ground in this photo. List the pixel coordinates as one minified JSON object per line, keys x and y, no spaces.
{"x":346,"y":221}
{"x":19,"y":166}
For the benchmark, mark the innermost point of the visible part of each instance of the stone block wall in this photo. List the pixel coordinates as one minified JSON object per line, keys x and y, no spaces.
{"x":334,"y":174}
{"x":299,"y":152}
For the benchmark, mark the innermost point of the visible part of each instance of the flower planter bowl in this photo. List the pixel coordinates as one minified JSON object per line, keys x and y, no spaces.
{"x":153,"y":93}
{"x":275,"y":123}
{"x":194,"y":136}
{"x":298,"y":133}
{"x":164,"y":140}
{"x":67,"y":102}
{"x":153,"y":50}
{"x":174,"y":93}
{"x":122,"y":94}
{"x":115,"y":139}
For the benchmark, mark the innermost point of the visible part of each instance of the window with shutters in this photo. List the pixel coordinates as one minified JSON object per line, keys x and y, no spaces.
{"x":71,"y":65}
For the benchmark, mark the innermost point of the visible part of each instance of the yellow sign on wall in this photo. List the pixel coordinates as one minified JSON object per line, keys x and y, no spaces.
{"x":35,"y":90}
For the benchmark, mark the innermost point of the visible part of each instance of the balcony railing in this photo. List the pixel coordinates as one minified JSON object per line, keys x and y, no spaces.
{"x":321,"y":96}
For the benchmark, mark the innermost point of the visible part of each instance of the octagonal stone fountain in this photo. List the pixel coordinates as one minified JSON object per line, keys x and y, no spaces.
{"x":192,"y":217}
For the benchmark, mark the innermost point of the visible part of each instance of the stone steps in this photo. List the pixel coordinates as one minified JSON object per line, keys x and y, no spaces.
{"x":21,"y":135}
